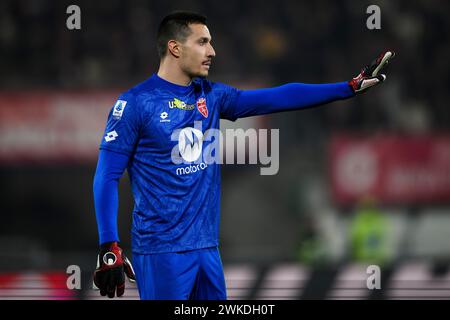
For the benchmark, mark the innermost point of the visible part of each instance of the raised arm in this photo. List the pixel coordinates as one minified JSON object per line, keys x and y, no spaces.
{"x":291,"y":96}
{"x":294,"y":96}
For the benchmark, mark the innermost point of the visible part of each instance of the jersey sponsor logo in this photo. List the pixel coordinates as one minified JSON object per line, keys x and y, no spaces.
{"x":190,"y":144}
{"x":189,"y":149}
{"x":191,"y":169}
{"x":177,"y":103}
{"x":118,"y":109}
{"x":201,"y":107}
{"x":111,"y":136}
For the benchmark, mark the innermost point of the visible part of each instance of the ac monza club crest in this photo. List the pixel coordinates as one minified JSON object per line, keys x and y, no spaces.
{"x":201,"y":107}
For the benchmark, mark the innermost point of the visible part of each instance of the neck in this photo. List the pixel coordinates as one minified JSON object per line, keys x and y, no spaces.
{"x":170,"y":71}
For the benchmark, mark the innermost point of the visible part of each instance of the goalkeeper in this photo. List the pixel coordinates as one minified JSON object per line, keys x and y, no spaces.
{"x":175,"y":228}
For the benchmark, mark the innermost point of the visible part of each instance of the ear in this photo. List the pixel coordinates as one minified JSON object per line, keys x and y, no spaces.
{"x":174,"y":48}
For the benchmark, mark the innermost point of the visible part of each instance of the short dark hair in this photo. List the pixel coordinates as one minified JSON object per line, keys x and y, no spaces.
{"x":175,"y":26}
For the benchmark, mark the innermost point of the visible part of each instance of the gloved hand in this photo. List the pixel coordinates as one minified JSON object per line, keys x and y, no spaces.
{"x":370,"y":75}
{"x":112,"y":266}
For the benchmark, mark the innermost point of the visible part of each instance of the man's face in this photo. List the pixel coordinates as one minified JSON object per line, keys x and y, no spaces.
{"x":197,"y":52}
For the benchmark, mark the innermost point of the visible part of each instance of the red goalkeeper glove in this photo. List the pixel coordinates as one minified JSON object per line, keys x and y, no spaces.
{"x":370,"y":75}
{"x":112,"y":266}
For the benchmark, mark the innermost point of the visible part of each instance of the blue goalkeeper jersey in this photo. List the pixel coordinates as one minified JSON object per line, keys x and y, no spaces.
{"x":166,"y":135}
{"x":161,"y":127}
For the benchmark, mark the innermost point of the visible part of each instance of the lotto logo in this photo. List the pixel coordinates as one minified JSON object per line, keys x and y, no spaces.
{"x":111,"y":136}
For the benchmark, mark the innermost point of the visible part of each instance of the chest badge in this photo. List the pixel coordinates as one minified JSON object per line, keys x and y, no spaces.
{"x":201,"y":107}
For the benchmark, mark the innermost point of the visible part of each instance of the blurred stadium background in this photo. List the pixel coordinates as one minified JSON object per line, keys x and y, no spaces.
{"x":363,"y":181}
